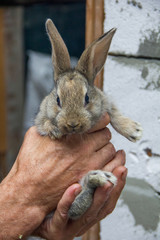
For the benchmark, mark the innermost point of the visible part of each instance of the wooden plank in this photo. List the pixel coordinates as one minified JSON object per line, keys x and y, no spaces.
{"x":94,"y":29}
{"x":98,"y":31}
{"x":93,"y":233}
{"x":99,"y":18}
{"x":3,"y":140}
{"x":14,"y":76}
{"x":89,"y":33}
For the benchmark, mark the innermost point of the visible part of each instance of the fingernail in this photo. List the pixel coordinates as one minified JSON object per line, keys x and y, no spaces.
{"x":109,"y":190}
{"x":77,"y":191}
{"x":124,"y":175}
{"x":123,"y":153}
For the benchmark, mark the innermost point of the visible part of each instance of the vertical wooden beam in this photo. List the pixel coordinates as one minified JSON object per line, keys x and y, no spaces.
{"x":3,"y":140}
{"x":14,"y":77}
{"x":89,"y":32}
{"x":93,"y":233}
{"x":94,"y":29}
{"x":98,"y":31}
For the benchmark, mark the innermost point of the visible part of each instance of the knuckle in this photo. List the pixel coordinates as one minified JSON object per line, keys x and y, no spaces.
{"x":110,"y":210}
{"x":84,"y":222}
{"x":104,"y":213}
{"x":62,"y":211}
{"x":89,"y":218}
{"x":30,"y":131}
{"x":122,"y":157}
{"x":108,"y":134}
{"x":107,"y":118}
{"x":123,"y":161}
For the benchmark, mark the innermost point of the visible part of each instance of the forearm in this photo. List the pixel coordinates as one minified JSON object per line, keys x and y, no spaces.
{"x":18,"y":217}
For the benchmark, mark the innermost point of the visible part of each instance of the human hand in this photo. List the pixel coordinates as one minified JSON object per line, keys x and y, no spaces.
{"x":104,"y":202}
{"x":44,"y":169}
{"x":57,"y":164}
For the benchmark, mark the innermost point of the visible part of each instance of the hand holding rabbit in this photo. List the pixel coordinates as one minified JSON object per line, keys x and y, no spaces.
{"x":60,"y":226}
{"x":75,"y":105}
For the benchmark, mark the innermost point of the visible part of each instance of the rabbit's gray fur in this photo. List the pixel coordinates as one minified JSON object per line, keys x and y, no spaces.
{"x":90,"y":182}
{"x":75,"y":104}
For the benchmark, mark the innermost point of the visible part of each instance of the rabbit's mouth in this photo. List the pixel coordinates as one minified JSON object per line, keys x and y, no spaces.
{"x":74,"y":129}
{"x":73,"y":125}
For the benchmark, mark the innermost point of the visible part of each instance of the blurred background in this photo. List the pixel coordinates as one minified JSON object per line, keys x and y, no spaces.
{"x":26,"y":69}
{"x":131,"y":78}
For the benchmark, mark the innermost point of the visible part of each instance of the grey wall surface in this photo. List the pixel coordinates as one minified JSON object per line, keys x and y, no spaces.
{"x":132,"y":78}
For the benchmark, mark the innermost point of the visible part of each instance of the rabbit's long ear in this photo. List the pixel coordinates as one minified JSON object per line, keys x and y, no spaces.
{"x":60,"y":55}
{"x":94,"y":56}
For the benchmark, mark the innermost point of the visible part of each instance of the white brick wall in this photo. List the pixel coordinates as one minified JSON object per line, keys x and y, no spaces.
{"x":134,"y":84}
{"x":138,"y":29}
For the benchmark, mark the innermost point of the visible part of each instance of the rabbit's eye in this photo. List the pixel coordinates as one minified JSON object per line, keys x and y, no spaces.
{"x":86,"y":99}
{"x":58,"y":101}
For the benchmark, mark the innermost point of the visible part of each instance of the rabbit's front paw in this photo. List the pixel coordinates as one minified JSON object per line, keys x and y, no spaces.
{"x":55,"y":133}
{"x":126,"y":127}
{"x":134,"y":131}
{"x":48,"y":129}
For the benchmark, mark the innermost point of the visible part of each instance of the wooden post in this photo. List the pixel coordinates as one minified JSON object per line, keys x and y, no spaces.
{"x":14,"y":78}
{"x":94,"y":29}
{"x":11,"y":85}
{"x":3,"y":140}
{"x":93,"y":233}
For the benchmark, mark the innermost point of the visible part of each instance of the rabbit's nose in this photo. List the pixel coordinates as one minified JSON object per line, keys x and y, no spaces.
{"x":73,"y":124}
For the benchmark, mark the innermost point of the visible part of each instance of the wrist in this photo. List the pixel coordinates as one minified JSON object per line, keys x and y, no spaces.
{"x":18,"y":216}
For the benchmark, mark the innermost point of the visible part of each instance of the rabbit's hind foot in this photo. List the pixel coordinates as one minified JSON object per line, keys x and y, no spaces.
{"x":97,"y":178}
{"x":90,"y":182}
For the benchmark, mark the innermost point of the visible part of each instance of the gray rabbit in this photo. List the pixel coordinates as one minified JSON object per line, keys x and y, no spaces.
{"x":75,"y":105}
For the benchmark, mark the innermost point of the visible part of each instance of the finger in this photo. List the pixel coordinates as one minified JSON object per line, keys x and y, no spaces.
{"x":104,"y":156}
{"x":60,"y":217}
{"x":100,"y":197}
{"x":120,"y":173}
{"x":94,"y":141}
{"x":91,"y":142}
{"x":53,"y":226}
{"x":100,"y":138}
{"x":118,"y":160}
{"x":102,"y":123}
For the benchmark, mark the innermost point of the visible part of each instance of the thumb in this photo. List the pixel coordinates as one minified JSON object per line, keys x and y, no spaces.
{"x":54,"y":225}
{"x":60,"y":217}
